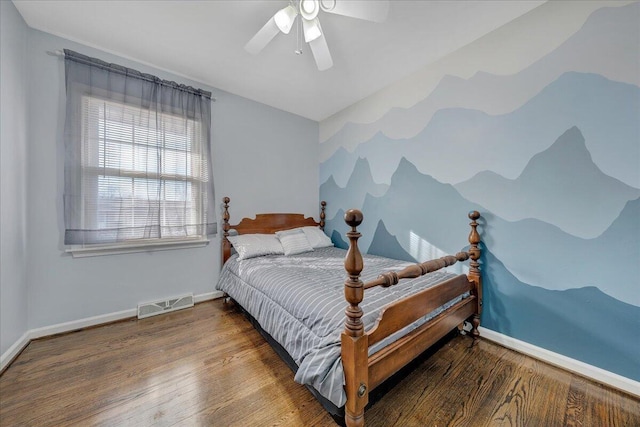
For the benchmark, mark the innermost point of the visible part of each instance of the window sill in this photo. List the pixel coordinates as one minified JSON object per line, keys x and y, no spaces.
{"x":142,"y":246}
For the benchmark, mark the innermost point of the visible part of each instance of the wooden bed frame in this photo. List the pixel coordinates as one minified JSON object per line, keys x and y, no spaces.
{"x":363,"y":373}
{"x":264,"y":224}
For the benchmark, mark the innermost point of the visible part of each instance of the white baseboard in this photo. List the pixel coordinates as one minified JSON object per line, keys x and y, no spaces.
{"x":14,"y":350}
{"x":74,"y":325}
{"x":589,"y":371}
{"x":208,"y":296}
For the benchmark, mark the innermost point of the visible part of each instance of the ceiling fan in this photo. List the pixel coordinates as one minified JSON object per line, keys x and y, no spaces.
{"x":284,"y":19}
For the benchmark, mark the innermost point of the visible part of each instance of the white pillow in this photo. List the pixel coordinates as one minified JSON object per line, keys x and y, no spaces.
{"x":294,"y":241}
{"x":254,"y":245}
{"x":316,"y":237}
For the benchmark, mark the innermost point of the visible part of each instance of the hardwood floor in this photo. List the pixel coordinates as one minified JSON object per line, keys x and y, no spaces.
{"x":207,"y":366}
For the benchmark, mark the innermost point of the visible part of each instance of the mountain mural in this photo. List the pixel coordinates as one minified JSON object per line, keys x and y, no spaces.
{"x":384,"y":244}
{"x":387,"y":245}
{"x":550,"y":157}
{"x":339,"y":169}
{"x":338,"y":241}
{"x":584,"y":324}
{"x":415,"y":202}
{"x":359,"y":185}
{"x":459,"y":143}
{"x":418,"y":207}
{"x":401,"y":211}
{"x":610,"y":33}
{"x":561,"y":186}
{"x":336,"y":228}
{"x":561,"y":261}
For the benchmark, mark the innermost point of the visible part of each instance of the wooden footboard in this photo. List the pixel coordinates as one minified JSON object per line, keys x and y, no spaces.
{"x":364,"y":373}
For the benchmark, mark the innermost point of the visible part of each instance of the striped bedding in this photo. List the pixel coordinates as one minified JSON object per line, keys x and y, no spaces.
{"x":299,"y":301}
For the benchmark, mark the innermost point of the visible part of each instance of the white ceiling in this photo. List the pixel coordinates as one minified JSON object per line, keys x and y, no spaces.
{"x":204,"y":40}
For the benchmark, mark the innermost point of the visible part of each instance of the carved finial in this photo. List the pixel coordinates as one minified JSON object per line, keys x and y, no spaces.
{"x":226,"y":245}
{"x":353,"y":286}
{"x":225,"y":216}
{"x":474,"y":237}
{"x":323,"y":206}
{"x":353,"y":218}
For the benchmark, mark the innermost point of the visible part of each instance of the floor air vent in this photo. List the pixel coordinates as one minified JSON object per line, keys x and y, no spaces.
{"x":165,"y":306}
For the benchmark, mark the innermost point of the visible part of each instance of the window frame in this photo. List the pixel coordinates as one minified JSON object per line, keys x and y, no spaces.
{"x":134,"y":245}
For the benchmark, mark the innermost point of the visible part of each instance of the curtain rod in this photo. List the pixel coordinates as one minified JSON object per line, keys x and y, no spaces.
{"x":60,"y":53}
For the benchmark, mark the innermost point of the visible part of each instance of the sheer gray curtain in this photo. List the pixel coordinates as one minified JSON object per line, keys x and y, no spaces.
{"x":138,"y":159}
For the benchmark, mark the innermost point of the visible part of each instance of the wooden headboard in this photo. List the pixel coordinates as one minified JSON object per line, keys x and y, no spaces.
{"x":265,"y":224}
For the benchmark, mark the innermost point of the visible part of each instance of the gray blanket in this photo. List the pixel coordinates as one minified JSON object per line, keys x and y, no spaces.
{"x":299,"y":301}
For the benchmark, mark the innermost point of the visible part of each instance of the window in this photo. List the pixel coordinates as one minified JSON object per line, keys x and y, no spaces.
{"x":140,"y":181}
{"x":137,"y":170}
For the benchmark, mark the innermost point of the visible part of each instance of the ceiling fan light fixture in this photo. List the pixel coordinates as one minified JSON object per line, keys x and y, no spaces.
{"x":312,"y":29}
{"x":285,"y":18}
{"x":309,"y":9}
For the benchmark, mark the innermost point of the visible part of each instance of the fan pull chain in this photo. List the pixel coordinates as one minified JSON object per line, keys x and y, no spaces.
{"x":298,"y":51}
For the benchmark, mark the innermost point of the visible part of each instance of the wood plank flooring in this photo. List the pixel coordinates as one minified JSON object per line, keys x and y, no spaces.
{"x":207,"y":366}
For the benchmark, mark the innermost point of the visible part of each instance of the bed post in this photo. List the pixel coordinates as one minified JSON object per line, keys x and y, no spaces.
{"x":354,"y":342}
{"x":323,"y":206}
{"x":474,"y":270}
{"x":226,"y":245}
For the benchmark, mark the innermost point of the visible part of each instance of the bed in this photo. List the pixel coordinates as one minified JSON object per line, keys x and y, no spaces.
{"x":298,"y":301}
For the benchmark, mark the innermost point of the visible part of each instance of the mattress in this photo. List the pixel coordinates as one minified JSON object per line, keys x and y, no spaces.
{"x":299,"y":301}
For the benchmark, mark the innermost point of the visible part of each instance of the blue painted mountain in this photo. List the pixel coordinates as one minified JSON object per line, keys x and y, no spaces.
{"x":418,"y":207}
{"x":360,"y":184}
{"x":584,"y":324}
{"x":610,"y":33}
{"x":385,"y":244}
{"x":336,"y":228}
{"x":556,"y":260}
{"x":338,"y":241}
{"x":459,"y":143}
{"x":340,"y":168}
{"x":394,"y":205}
{"x":561,"y":186}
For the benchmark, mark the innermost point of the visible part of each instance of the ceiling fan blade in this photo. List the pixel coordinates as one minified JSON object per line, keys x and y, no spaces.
{"x":262,"y":37}
{"x":321,"y":53}
{"x":368,"y":10}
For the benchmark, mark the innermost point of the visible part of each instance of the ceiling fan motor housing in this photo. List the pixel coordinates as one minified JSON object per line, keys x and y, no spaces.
{"x":309,"y":9}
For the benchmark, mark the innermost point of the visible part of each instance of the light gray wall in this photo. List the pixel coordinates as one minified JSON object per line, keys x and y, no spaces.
{"x":13,"y":176}
{"x":264,"y":159}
